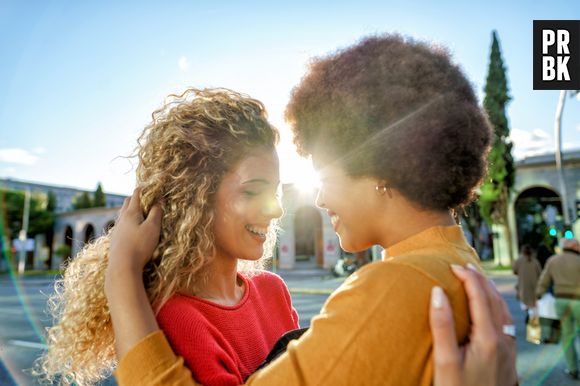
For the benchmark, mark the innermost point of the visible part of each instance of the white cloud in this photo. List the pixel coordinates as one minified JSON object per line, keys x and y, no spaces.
{"x":578,"y":125}
{"x":527,"y":143}
{"x":9,"y":170}
{"x":539,"y":135}
{"x":39,"y":150}
{"x":567,"y":145}
{"x":17,"y":156}
{"x":183,"y":64}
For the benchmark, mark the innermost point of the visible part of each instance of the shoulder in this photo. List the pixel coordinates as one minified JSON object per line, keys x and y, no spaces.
{"x":434,"y":263}
{"x":379,"y":273}
{"x":187,"y":326}
{"x":378,"y":291}
{"x":181,"y":311}
{"x":406,"y":281}
{"x":554,"y":259}
{"x":266,"y":279}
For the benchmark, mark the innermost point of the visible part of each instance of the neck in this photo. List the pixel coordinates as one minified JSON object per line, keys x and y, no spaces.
{"x":405,"y":219}
{"x":222,"y":286}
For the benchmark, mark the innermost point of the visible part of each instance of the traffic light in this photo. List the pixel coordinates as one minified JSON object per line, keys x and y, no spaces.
{"x":553,"y":232}
{"x":568,"y":233}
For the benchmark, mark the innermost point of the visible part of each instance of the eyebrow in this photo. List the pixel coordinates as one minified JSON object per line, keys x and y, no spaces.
{"x":258,"y":180}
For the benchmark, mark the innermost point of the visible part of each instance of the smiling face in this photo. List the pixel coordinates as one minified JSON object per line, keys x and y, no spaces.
{"x":352,"y":204}
{"x":245,"y":203}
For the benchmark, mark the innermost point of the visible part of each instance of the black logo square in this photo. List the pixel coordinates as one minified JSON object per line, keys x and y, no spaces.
{"x":556,"y":54}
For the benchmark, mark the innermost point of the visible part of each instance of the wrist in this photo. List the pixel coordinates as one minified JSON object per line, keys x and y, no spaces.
{"x":119,"y":276}
{"x":124,"y":263}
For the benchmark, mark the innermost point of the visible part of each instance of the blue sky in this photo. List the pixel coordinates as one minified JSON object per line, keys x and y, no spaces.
{"x":79,"y":80}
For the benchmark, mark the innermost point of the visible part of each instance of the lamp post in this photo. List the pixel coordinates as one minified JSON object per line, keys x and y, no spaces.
{"x":22,"y":233}
{"x":558,"y":145}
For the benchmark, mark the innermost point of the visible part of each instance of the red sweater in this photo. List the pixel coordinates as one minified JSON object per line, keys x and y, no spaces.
{"x":223,"y":345}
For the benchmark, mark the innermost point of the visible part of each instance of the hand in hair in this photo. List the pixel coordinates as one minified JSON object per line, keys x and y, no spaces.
{"x":133,"y":241}
{"x":134,"y":237}
{"x":489,"y":358}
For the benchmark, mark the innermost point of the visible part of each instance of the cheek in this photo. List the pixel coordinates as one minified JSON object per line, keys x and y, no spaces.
{"x":221,"y":231}
{"x":231,"y":221}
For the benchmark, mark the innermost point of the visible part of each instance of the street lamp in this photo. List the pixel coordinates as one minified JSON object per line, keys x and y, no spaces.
{"x":558,"y":135}
{"x":22,"y":234}
{"x":558,"y":140}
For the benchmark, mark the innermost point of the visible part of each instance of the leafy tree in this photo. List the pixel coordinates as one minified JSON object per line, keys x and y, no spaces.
{"x":83,"y":201}
{"x":40,"y":220}
{"x":99,"y":200}
{"x":495,"y":192}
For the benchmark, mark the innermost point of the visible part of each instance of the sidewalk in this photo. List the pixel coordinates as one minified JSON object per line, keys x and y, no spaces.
{"x":307,"y":278}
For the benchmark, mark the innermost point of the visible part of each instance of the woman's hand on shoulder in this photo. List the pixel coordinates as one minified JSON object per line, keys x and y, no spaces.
{"x":134,"y":237}
{"x":489,"y":358}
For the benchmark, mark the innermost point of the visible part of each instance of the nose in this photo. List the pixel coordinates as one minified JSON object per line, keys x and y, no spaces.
{"x":320,"y":199}
{"x":273,"y":208}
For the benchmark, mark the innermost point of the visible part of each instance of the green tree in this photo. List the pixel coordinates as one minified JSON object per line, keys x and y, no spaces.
{"x":99,"y":197}
{"x":40,"y":220}
{"x":51,"y":201}
{"x":496,"y":190}
{"x":83,"y":201}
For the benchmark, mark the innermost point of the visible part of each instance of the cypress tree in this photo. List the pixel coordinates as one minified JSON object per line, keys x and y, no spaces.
{"x":496,"y":190}
{"x":99,"y":197}
{"x":51,"y":201}
{"x":83,"y":201}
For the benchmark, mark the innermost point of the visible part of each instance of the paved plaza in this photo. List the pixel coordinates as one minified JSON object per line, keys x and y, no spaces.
{"x":22,"y":320}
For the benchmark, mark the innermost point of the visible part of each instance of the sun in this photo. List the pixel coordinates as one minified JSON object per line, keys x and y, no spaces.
{"x":300,"y":172}
{"x":307,"y":179}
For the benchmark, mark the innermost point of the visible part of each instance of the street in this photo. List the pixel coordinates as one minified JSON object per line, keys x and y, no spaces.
{"x":22,"y":321}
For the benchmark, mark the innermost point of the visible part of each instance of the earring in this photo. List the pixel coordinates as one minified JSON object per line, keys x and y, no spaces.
{"x":382,"y":189}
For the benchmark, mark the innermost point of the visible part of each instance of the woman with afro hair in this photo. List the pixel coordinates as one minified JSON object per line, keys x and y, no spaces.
{"x":395,"y":131}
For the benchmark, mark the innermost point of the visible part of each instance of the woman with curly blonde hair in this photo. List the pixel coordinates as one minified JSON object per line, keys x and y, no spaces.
{"x":208,"y":170}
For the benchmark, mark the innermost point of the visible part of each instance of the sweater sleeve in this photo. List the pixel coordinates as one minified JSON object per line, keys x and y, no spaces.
{"x":152,"y":362}
{"x":373,"y":330}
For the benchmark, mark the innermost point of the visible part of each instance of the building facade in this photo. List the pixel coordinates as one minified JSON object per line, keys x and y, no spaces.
{"x":306,"y":232}
{"x":64,"y":195}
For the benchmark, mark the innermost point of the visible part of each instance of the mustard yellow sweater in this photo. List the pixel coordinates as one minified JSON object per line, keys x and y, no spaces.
{"x":373,"y":330}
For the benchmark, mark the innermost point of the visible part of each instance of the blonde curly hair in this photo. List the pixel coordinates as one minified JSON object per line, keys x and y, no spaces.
{"x":191,"y":143}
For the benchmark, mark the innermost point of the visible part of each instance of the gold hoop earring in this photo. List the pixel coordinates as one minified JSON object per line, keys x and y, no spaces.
{"x":382,"y":189}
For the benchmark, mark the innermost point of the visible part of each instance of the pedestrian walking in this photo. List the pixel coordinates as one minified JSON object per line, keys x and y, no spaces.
{"x":528,"y":270}
{"x":562,"y":271}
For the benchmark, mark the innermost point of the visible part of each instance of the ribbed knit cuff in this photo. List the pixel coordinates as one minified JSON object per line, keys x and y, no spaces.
{"x":150,"y":355}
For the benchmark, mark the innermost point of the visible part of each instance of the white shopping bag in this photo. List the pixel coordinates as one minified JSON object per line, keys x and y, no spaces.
{"x":547,"y":307}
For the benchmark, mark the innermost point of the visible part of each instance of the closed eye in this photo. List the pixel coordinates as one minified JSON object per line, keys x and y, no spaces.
{"x":250,"y":193}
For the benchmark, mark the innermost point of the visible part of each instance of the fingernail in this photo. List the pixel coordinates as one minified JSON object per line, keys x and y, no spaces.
{"x":472,"y":267}
{"x":457,"y":268}
{"x":437,"y":297}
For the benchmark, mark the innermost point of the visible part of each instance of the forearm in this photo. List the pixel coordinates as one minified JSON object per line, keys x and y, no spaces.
{"x":131,"y":313}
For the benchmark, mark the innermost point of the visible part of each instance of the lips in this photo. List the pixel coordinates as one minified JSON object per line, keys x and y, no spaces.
{"x":257,"y":230}
{"x":334,"y":219}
